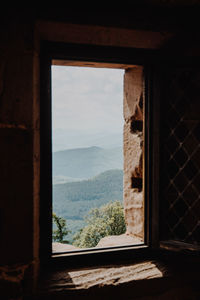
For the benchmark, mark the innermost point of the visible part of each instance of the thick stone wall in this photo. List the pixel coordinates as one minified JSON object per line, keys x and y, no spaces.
{"x":19,"y":163}
{"x":133,"y":152}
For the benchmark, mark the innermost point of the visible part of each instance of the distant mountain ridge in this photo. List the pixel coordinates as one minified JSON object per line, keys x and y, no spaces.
{"x":71,"y":139}
{"x":84,"y":163}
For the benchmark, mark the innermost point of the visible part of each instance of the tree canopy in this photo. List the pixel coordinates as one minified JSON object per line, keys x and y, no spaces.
{"x":101,"y":222}
{"x":61,"y":231}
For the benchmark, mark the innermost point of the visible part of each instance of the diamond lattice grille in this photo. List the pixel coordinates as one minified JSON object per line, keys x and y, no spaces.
{"x":180,"y":172}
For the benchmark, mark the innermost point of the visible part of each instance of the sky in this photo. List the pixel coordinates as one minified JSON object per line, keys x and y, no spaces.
{"x":86,"y":102}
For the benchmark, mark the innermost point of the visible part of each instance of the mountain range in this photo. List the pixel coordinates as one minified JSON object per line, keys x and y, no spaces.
{"x":85,"y":163}
{"x":71,"y":139}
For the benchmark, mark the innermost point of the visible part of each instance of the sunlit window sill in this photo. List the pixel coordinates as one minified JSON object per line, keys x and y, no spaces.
{"x":143,"y":279}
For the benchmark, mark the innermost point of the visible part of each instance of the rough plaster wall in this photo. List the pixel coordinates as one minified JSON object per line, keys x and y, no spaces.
{"x":133,"y":153}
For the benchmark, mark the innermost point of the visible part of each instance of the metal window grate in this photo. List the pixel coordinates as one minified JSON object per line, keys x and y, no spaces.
{"x":180,"y":164}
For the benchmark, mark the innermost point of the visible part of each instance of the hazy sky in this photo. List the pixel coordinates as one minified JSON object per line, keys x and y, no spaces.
{"x":87,"y":100}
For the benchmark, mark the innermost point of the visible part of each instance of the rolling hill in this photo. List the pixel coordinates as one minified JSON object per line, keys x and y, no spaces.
{"x":84,"y":163}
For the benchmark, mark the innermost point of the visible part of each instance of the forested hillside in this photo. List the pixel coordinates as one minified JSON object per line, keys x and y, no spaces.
{"x":73,"y":200}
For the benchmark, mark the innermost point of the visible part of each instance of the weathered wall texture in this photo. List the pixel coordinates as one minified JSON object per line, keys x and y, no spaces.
{"x":19,"y":163}
{"x":133,"y":151}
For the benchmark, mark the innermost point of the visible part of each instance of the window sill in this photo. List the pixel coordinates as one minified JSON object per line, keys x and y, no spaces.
{"x":77,"y":283}
{"x":167,"y":278}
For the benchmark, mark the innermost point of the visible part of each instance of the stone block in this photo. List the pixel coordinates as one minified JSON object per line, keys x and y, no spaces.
{"x":134,"y":214}
{"x":133,"y":152}
{"x":133,"y":94}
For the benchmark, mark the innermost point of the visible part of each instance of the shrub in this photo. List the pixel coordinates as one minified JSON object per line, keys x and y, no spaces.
{"x":101,"y":222}
{"x":61,"y":231}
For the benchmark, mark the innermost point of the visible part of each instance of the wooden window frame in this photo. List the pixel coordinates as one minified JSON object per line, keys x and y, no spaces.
{"x":176,"y":63}
{"x":101,"y":54}
{"x":155,"y":146}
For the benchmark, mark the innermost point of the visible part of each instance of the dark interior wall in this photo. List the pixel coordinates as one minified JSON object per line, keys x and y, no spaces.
{"x":19,"y":124}
{"x":19,"y":153}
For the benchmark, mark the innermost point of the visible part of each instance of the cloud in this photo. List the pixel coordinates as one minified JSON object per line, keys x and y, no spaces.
{"x":87,"y":99}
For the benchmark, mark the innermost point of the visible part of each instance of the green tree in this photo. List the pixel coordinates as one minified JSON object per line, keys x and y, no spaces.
{"x":101,"y":222}
{"x":61,"y":231}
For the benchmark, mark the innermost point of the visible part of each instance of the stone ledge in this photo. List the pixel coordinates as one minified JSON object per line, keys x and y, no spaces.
{"x":142,"y":280}
{"x":59,"y":247}
{"x":119,"y":240}
{"x":103,"y":276}
{"x":107,"y":241}
{"x":89,"y":281}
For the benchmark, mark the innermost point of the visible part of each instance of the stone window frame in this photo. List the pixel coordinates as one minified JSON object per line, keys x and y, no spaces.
{"x":124,"y":57}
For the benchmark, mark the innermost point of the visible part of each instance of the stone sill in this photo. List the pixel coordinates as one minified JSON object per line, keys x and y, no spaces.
{"x":106,"y":242}
{"x":142,"y":280}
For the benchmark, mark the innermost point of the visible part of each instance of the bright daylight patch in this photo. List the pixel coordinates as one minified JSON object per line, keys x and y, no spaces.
{"x":87,"y":125}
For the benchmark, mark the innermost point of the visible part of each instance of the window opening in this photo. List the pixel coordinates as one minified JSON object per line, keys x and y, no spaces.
{"x":97,"y":157}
